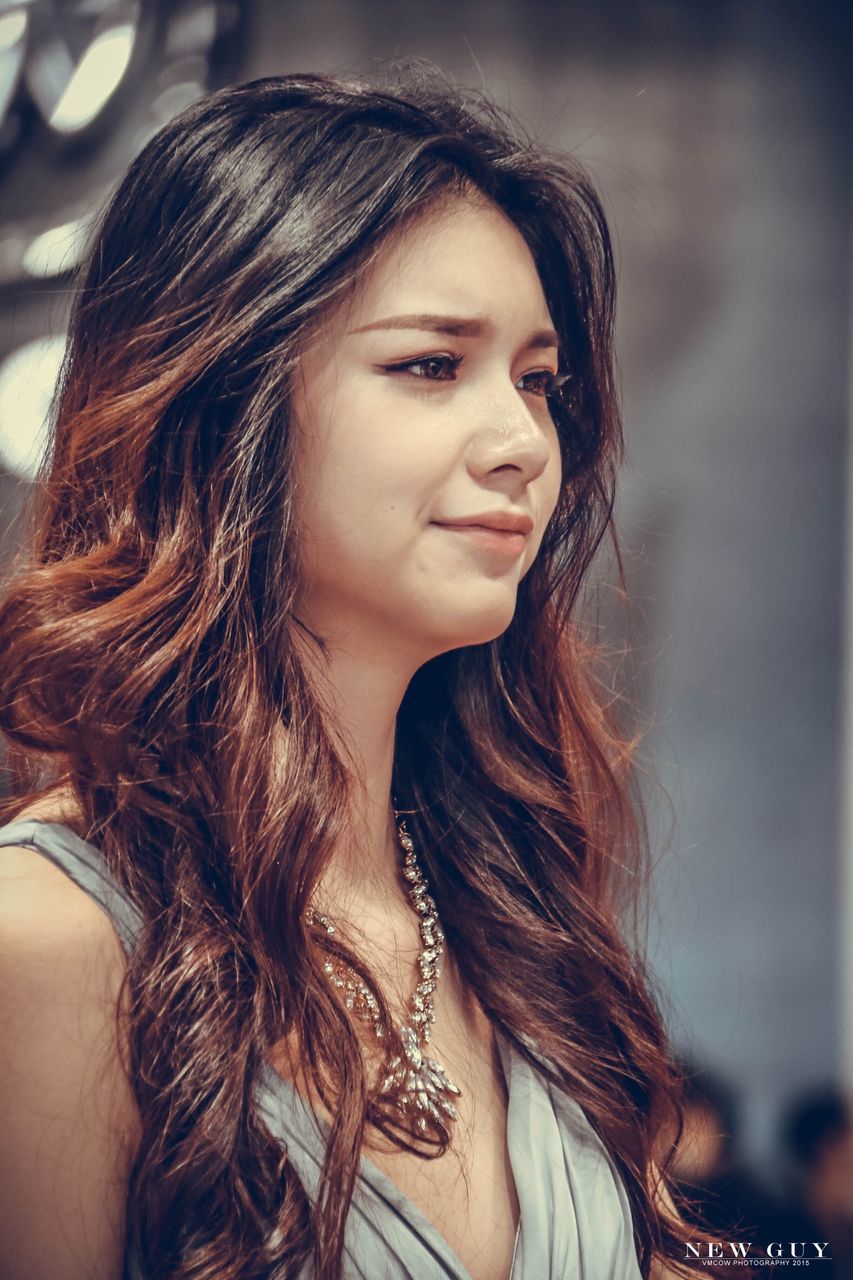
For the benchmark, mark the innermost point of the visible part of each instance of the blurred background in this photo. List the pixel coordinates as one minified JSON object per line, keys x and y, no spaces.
{"x":718,"y":133}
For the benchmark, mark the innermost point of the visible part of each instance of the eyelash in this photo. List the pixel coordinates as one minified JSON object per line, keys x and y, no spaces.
{"x":554,"y":384}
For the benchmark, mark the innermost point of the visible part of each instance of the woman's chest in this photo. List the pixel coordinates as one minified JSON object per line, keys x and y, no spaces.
{"x":468,"y":1195}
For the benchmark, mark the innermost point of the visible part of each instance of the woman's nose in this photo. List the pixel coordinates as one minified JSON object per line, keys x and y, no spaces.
{"x":510,"y":433}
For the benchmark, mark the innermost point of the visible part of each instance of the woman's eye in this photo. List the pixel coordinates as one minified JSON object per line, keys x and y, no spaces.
{"x":545,"y":383}
{"x":441,"y":368}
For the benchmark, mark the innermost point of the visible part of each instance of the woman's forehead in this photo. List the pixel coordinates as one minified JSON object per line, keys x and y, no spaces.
{"x":464,"y":260}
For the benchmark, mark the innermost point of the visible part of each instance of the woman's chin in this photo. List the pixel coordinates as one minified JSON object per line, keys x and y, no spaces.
{"x":458,"y":629}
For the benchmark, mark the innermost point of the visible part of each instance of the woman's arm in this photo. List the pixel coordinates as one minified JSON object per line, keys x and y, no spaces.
{"x":68,"y":1122}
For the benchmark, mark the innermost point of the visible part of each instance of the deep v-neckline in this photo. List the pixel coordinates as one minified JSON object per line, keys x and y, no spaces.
{"x":274,"y":1083}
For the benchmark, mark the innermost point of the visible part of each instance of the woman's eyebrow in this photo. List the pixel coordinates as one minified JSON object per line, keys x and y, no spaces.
{"x":457,"y":326}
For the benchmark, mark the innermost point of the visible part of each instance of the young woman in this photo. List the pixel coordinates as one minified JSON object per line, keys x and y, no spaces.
{"x":311,"y":942}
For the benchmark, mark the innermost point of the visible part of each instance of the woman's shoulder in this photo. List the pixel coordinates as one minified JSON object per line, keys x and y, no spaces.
{"x":36,"y":889}
{"x":58,"y":948}
{"x":55,"y":938}
{"x":68,"y":1121}
{"x":52,"y":878}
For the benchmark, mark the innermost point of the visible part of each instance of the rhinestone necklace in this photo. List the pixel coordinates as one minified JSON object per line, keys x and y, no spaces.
{"x":420,"y":1083}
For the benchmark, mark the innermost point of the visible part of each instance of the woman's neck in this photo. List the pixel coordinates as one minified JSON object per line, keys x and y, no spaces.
{"x":363,"y":688}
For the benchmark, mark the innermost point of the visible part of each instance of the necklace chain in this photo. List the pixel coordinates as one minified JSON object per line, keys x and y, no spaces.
{"x":418,"y":1081}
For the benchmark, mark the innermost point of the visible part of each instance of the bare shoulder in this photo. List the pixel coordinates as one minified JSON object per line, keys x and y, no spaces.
{"x":68,"y":1121}
{"x":41,"y":906}
{"x":45,"y":918}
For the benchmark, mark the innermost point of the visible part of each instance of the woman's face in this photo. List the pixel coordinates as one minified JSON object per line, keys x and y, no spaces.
{"x":422,"y":405}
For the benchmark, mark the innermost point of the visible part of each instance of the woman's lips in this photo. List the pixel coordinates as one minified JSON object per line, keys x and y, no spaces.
{"x":506,"y":542}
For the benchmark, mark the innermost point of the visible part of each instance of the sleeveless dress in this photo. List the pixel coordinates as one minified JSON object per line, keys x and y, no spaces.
{"x":575,"y":1219}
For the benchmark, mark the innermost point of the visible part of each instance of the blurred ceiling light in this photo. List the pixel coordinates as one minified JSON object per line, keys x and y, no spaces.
{"x":70,"y":46}
{"x":13,"y":24}
{"x":42,"y":252}
{"x":81,"y":63}
{"x":13,"y":30}
{"x":95,"y":80}
{"x":27,"y":383}
{"x":57,"y":250}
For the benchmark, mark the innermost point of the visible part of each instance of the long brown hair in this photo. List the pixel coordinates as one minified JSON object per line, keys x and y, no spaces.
{"x":154,"y":663}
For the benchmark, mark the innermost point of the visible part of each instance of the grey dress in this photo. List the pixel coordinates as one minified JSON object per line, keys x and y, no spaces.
{"x":575,"y":1221}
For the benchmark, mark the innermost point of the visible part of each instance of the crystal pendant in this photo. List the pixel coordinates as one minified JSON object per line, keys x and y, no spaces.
{"x":423,"y":1083}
